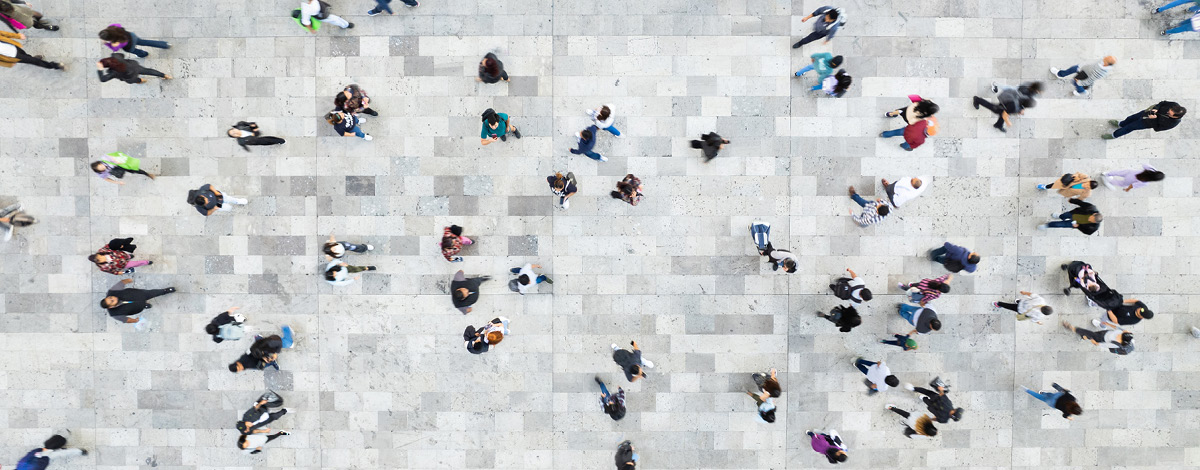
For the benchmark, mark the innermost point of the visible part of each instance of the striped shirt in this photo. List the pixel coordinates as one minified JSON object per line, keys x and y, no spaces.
{"x":930,"y":294}
{"x":870,"y":214}
{"x":1094,"y":71}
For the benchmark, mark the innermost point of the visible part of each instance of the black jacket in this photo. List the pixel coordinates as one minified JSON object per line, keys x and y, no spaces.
{"x":489,"y":78}
{"x":130,"y":75}
{"x":1085,"y":208}
{"x":1163,"y":122}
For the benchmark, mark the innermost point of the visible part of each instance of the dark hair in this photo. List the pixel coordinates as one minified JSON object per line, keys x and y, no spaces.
{"x":1047,"y":310}
{"x":935,"y":324}
{"x":523,"y":279}
{"x":635,"y":369}
{"x":605,"y":112}
{"x":447,"y":242}
{"x":836,"y":61}
{"x":843,"y":83}
{"x":56,"y":441}
{"x":943,"y":287}
{"x":102,"y":303}
{"x":233,"y":368}
{"x":616,"y":195}
{"x":456,"y":230}
{"x":865,"y":294}
{"x":5,"y":7}
{"x":832,"y":14}
{"x":891,"y":381}
{"x":926,"y":108}
{"x":458,"y":294}
{"x":973,"y":258}
{"x":1178,"y":110}
{"x":333,"y":117}
{"x":102,"y":165}
{"x":339,"y":100}
{"x":114,"y":33}
{"x":789,"y":266}
{"x":957,"y":414}
{"x":768,"y":416}
{"x":839,"y":455}
{"x":331,"y":273}
{"x":1099,"y":217}
{"x":614,"y":410}
{"x":1151,"y":175}
{"x":329,"y":248}
{"x":586,"y":134}
{"x":1094,"y":185}
{"x":883,"y":210}
{"x":93,"y":257}
{"x":1126,"y":338}
{"x":1073,"y":408}
{"x":489,"y":116}
{"x":491,"y":66}
{"x":113,"y":63}
{"x":211,"y":329}
{"x":854,"y":321}
{"x":929,"y":429}
{"x":1032,"y":88}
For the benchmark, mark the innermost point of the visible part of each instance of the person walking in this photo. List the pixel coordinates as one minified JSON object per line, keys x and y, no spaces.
{"x":208,"y":200}
{"x":1130,"y":179}
{"x":496,"y":126}
{"x":904,"y":342}
{"x":527,"y":280}
{"x":852,"y":288}
{"x":124,"y":305}
{"x":335,"y":249}
{"x":452,"y":243}
{"x":586,"y":144}
{"x":631,"y":361}
{"x":1161,"y":117}
{"x":12,"y":53}
{"x":955,"y":258}
{"x":613,"y":404}
{"x":491,"y":70}
{"x":337,"y":273}
{"x":1081,"y":276}
{"x":113,"y":166}
{"x":626,"y":458}
{"x":1060,"y":399}
{"x":1111,"y":337}
{"x":11,"y":217}
{"x":760,"y":232}
{"x":256,"y":419}
{"x":873,"y":212}
{"x":937,"y":402}
{"x":1085,"y":217}
{"x":464,"y":291}
{"x":916,"y":425}
{"x":1129,"y":312}
{"x":1194,"y":8}
{"x":603,"y":119}
{"x":914,"y":134}
{"x":918,"y":109}
{"x":905,"y":189}
{"x":481,"y":340}
{"x":824,"y":64}
{"x":711,"y":144}
{"x":923,"y":319}
{"x":879,"y":376}
{"x":384,"y":5}
{"x":247,"y":133}
{"x":115,"y":257}
{"x":318,"y":10}
{"x":928,"y":290}
{"x":253,"y":443}
{"x":1029,"y":307}
{"x":1011,"y":101}
{"x":836,"y":85}
{"x":919,"y":122}
{"x":767,"y":383}
{"x":564,"y":187}
{"x":125,"y":70}
{"x":828,"y":444}
{"x":1189,"y":24}
{"x":53,"y":448}
{"x":226,"y":326}
{"x":629,"y":189}
{"x":1077,"y":185}
{"x":844,"y":317}
{"x":765,"y":403}
{"x":117,"y":38}
{"x":829,"y":21}
{"x":265,"y":350}
{"x":18,"y":15}
{"x":353,"y":100}
{"x":1082,"y":78}
{"x":346,"y":124}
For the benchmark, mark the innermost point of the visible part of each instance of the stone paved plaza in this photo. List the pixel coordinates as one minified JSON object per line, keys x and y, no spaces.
{"x":379,"y":378}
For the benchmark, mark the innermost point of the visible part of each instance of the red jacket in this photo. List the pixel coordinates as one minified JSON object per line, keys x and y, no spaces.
{"x":914,"y":134}
{"x":116,"y":260}
{"x":454,"y":248}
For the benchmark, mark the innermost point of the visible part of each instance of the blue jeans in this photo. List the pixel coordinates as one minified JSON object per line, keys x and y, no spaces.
{"x":135,"y":41}
{"x":907,"y":311}
{"x":287,"y":337}
{"x":861,"y":202}
{"x":1074,"y":69}
{"x":896,"y":133}
{"x":1048,"y":397}
{"x":604,"y":391}
{"x":804,"y":70}
{"x":592,"y":155}
{"x":1183,"y":27}
{"x":863,"y":364}
{"x":613,"y":130}
{"x":358,"y":132}
{"x":762,"y":236}
{"x":1064,"y":221}
{"x":1177,"y":3}
{"x":382,"y":6}
{"x":1132,"y":123}
{"x":939,"y":255}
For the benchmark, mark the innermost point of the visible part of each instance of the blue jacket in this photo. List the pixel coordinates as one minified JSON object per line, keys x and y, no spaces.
{"x":586,"y":145}
{"x":31,"y":461}
{"x":959,"y":254}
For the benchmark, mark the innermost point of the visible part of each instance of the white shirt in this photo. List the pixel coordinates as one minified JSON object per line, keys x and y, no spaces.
{"x":527,"y":270}
{"x":309,"y":9}
{"x":254,"y":441}
{"x":341,"y":277}
{"x":1031,"y":307}
{"x":856,"y":294}
{"x":904,"y":191}
{"x":8,"y":50}
{"x":605,"y":124}
{"x":1112,"y":339}
{"x":876,"y":374}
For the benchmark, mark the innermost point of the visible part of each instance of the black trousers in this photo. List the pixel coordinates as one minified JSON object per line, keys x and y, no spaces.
{"x":123,"y":244}
{"x":995,"y":108}
{"x":270,"y":418}
{"x":1007,"y":305}
{"x":263,"y":140}
{"x":25,"y":58}
{"x":151,"y":72}
{"x":810,"y":38}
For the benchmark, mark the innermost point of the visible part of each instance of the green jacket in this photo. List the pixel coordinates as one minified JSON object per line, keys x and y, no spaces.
{"x":821,"y":64}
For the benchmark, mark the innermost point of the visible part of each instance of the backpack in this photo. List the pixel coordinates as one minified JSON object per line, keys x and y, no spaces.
{"x":192,"y":195}
{"x":32,"y":462}
{"x":230,"y":331}
{"x":841,"y":21}
{"x":514,"y":285}
{"x":1124,"y":350}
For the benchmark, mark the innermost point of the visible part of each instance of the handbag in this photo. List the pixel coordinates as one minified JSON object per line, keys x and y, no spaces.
{"x":324,"y":13}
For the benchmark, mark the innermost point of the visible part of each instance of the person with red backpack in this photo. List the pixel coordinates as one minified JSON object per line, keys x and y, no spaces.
{"x":53,"y":448}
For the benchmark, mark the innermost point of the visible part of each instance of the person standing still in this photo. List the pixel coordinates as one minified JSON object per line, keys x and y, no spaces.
{"x":1083,"y":78}
{"x":315,"y":9}
{"x":1161,"y":117}
{"x":452,"y":243}
{"x":829,"y":21}
{"x":383,"y":5}
{"x":587,"y":142}
{"x":564,"y":187}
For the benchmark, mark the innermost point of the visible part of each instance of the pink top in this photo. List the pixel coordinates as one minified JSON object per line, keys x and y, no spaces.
{"x":821,"y":445}
{"x":119,"y":46}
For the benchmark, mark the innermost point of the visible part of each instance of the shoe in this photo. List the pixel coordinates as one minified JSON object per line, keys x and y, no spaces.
{"x":1077,"y":93}
{"x":1067,"y":291}
{"x":548,"y":280}
{"x":81,"y":451}
{"x":413,"y":5}
{"x":797,"y":45}
{"x":351,"y":25}
{"x":1162,"y":33}
{"x":888,"y":406}
{"x":371,"y":112}
{"x":362,"y":120}
{"x":54,"y":27}
{"x":597,"y":379}
{"x":285,"y":433}
{"x":370,"y":247}
{"x":1153,"y":11}
{"x":995,"y":304}
{"x":889,"y":114}
{"x":504,"y":138}
{"x":975,"y":102}
{"x":1043,"y":227}
{"x":1107,"y":183}
{"x":902,"y":286}
{"x":517,"y":133}
{"x":1063,"y":267}
{"x":1096,"y":322}
{"x":647,"y":363}
{"x":909,"y":387}
{"x":170,"y":290}
{"x":148,"y":306}
{"x":1041,"y":186}
{"x":995,"y":88}
{"x":872,"y":391}
{"x":1054,"y":215}
{"x":372,"y":12}
{"x":1108,"y":137}
{"x":797,"y":74}
{"x":614,"y":346}
{"x":129,"y":270}
{"x":457,"y":259}
{"x":603,"y":158}
{"x":372,"y":268}
{"x":1114,"y":123}
{"x":1001,"y":129}
{"x":1055,"y":70}
{"x":148,"y":263}
{"x":1196,"y":332}
{"x":368,"y":137}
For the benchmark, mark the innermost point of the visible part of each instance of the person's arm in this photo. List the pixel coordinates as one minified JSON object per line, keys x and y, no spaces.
{"x":634,"y":344}
{"x":851,"y":271}
{"x":1027,"y":294}
{"x":1004,"y":116}
{"x":100,"y":72}
{"x":210,"y":211}
{"x":120,"y":285}
{"x":131,"y":320}
{"x":488,"y":140}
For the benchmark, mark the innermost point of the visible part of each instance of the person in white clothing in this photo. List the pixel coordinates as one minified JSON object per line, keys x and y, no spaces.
{"x":879,"y":376}
{"x":338,"y":273}
{"x":1130,"y":179}
{"x":253,"y":443}
{"x":310,"y":9}
{"x":1029,"y":307}
{"x":906,"y":189}
{"x":527,"y":280}
{"x":604,"y":119}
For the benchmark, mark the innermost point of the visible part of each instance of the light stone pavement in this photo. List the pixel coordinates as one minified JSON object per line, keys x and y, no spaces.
{"x":379,"y":378}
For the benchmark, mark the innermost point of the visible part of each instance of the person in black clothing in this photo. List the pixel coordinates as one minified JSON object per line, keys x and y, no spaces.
{"x":248,"y":361}
{"x":1061,"y":400}
{"x":354,"y":100}
{"x":626,"y":458}
{"x":234,"y":320}
{"x":852,"y":288}
{"x":1085,"y":217}
{"x":465,"y":291}
{"x":23,"y":12}
{"x":125,"y":70}
{"x":845,"y":318}
{"x":491,"y":70}
{"x":247,"y":133}
{"x":255,"y":420}
{"x":1081,"y":276}
{"x":939,"y":404}
{"x":124,"y":304}
{"x":710,"y":143}
{"x":208,"y":200}
{"x":1163,"y":116}
{"x":1011,"y":101}
{"x":1129,"y":312}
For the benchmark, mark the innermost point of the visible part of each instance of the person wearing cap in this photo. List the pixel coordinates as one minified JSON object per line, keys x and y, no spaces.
{"x":1130,"y":312}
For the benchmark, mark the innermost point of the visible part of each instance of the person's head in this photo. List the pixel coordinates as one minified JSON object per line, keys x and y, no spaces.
{"x":941,"y":287}
{"x":614,"y":410}
{"x":1110,"y":60}
{"x":973,"y":257}
{"x":928,"y":429}
{"x":490,"y":117}
{"x":495,"y":337}
{"x":935,"y":324}
{"x":448,"y":242}
{"x":200,"y":200}
{"x":1093,"y":185}
{"x":836,"y":454}
{"x":114,"y":34}
{"x":331,"y":273}
{"x":523,"y":279}
{"x":55,"y":442}
{"x":456,"y":230}
{"x":1047,"y":310}
{"x":1095,"y":218}
{"x":883,"y":210}
{"x":211,"y":329}
{"x":1032,"y":89}
{"x":866,"y":294}
{"x":109,"y":302}
{"x":635,"y":370}
{"x":6,"y":8}
{"x":490,"y":66}
{"x":844,"y":80}
{"x":836,"y":61}
{"x":891,"y":381}
{"x":1151,"y":175}
{"x":235,"y":133}
{"x":334,"y":117}
{"x":242,"y":441}
{"x":616,"y":195}
{"x":101,"y":167}
{"x":461,"y":293}
{"x":113,"y":64}
{"x":1126,"y":337}
{"x":926,"y":108}
{"x":1093,"y":287}
{"x":916,"y":183}
{"x":586,"y":134}
{"x":1176,"y":111}
{"x":335,"y":249}
{"x":832,"y":15}
{"x":235,"y":368}
{"x":768,"y":416}
{"x":1073,"y":408}
{"x":560,"y":182}
{"x":98,"y":258}
{"x":605,"y":113}
{"x":789,"y":266}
